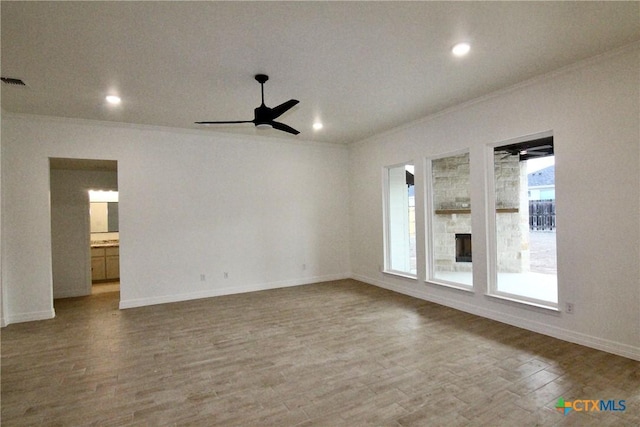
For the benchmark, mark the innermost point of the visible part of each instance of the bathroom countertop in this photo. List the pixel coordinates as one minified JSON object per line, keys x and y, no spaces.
{"x":107,"y":244}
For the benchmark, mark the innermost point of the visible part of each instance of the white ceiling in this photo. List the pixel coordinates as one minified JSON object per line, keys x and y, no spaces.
{"x":359,"y":67}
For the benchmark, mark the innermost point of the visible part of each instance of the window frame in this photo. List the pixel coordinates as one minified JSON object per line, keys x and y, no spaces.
{"x":387,"y":265}
{"x":491,"y":219}
{"x":429,"y":219}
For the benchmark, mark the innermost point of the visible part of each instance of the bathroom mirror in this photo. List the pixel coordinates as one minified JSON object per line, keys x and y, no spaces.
{"x":104,"y":217}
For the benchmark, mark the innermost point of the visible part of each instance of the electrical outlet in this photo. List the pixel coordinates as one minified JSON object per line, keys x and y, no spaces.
{"x":304,"y":266}
{"x":226,"y":275}
{"x":203,"y":278}
{"x":569,"y":308}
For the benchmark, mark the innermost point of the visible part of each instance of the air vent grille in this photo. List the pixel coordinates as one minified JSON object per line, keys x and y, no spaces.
{"x":12,"y":81}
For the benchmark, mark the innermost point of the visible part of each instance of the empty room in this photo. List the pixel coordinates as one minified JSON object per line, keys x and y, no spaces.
{"x":320,"y":213}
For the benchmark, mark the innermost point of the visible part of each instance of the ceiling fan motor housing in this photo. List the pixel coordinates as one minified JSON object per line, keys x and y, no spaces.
{"x":262,"y":116}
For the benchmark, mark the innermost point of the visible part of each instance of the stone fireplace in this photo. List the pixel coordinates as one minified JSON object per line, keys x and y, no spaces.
{"x":512,"y":213}
{"x":452,"y":213}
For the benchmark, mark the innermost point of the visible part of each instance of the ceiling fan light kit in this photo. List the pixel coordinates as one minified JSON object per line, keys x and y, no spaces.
{"x":263,"y":116}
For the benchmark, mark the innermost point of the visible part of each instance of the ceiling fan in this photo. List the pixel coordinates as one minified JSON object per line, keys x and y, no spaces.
{"x":525,"y":153}
{"x":538,"y":151}
{"x":264,"y":117}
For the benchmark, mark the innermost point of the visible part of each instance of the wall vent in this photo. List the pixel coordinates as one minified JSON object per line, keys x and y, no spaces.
{"x":12,"y":81}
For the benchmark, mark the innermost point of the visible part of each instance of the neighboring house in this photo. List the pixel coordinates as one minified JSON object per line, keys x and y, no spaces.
{"x":541,"y":184}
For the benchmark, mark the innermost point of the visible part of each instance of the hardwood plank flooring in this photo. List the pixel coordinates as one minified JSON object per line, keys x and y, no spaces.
{"x":328,"y":354}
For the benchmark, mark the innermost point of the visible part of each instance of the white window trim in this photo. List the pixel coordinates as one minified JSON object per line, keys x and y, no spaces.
{"x":451,"y":285}
{"x":402,"y":274}
{"x":385,"y":218}
{"x":428,"y":219}
{"x":524,"y":300}
{"x":492,"y":262}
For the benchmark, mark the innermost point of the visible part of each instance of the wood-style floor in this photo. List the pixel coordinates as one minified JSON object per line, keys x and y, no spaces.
{"x":330,"y":354}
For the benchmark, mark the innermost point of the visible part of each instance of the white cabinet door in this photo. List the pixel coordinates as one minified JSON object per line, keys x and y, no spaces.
{"x":98,"y":271}
{"x":113,"y":267}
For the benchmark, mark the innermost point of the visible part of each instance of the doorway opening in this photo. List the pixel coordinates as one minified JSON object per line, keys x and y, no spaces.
{"x":72,"y":239}
{"x":105,"y":241}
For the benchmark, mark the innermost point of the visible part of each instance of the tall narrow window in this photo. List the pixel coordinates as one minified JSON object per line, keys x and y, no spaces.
{"x":524,"y":266}
{"x":449,"y":249}
{"x":400,"y":220}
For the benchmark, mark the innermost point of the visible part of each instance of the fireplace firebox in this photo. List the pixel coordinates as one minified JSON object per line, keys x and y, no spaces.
{"x":463,"y":247}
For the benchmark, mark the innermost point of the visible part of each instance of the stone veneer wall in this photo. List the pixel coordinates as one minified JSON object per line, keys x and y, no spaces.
{"x":450,"y":192}
{"x":451,"y":186}
{"x":512,"y":240}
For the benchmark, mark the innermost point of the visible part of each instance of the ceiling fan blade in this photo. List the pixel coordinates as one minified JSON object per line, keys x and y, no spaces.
{"x":282,"y":108}
{"x":224,"y":123}
{"x":283,"y":127}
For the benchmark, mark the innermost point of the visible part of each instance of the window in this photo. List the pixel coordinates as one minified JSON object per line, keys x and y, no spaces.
{"x":400,"y":215}
{"x":449,"y":248}
{"x":523,"y":239}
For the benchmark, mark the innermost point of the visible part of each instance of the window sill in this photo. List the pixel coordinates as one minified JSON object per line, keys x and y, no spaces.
{"x":451,"y":285}
{"x":546,"y":306}
{"x":401,"y":274}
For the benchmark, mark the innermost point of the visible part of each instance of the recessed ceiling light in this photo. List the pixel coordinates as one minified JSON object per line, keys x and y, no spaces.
{"x":461,"y":49}
{"x":317,"y":126}
{"x":113,"y":100}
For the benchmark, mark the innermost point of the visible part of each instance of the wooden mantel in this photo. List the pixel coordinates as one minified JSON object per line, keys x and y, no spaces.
{"x":468,"y":211}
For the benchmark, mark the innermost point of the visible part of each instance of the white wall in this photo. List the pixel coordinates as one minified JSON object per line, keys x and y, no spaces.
{"x":71,"y":260}
{"x":594,"y":113}
{"x":195,"y":203}
{"x":191,"y":203}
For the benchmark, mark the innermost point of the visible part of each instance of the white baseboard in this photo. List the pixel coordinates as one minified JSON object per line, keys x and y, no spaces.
{"x":597,"y":343}
{"x":29,"y":317}
{"x":165,"y":299}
